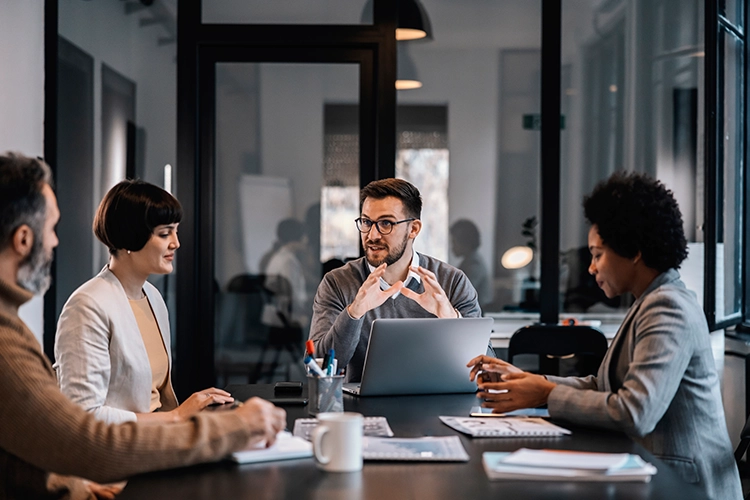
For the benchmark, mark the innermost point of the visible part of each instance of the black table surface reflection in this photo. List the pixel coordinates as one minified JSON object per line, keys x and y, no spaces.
{"x":408,"y":416}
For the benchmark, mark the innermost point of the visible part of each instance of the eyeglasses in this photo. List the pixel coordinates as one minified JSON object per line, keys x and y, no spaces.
{"x":384,"y":226}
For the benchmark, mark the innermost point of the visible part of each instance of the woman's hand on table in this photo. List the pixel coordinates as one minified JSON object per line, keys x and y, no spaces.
{"x":191,"y":406}
{"x":515,"y":391}
{"x":199,"y":400}
{"x":489,"y":369}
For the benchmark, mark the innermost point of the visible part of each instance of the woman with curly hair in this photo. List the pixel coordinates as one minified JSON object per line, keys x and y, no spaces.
{"x":657,"y":382}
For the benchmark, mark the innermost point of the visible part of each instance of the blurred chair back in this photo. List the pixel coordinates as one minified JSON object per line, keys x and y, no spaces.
{"x":243,"y":305}
{"x":739,"y":453}
{"x":580,"y":347}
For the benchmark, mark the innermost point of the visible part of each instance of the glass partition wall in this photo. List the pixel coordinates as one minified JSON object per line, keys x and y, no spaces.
{"x":468,"y":135}
{"x":632,"y":99}
{"x":286,"y":196}
{"x":298,"y":107}
{"x":476,"y":161}
{"x":114,"y":118}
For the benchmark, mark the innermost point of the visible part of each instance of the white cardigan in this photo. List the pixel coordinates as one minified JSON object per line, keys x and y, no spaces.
{"x":100,"y":358}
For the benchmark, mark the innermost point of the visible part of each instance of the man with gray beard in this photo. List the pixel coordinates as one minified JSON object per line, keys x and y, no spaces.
{"x":390,"y":281}
{"x":48,"y":443}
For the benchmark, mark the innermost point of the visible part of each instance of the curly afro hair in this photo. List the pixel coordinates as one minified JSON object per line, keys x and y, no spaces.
{"x":636,"y":213}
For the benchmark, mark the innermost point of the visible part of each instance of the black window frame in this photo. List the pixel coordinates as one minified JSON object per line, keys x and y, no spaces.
{"x":717,"y":25}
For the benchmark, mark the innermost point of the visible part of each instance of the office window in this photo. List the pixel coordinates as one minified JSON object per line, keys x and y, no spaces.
{"x":421,"y":158}
{"x":725,"y":308}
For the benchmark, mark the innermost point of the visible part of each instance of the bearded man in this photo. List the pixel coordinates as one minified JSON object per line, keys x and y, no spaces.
{"x":390,"y":281}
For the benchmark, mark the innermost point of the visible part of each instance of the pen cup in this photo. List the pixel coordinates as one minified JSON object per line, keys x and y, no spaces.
{"x":325,"y":394}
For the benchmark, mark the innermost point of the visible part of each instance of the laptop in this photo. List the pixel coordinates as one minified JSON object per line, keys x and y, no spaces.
{"x":421,"y":356}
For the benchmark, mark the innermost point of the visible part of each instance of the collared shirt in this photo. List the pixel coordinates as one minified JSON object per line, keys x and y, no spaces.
{"x":412,"y":275}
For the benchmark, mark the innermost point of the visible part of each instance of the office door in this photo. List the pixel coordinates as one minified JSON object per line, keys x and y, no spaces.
{"x":273,"y":205}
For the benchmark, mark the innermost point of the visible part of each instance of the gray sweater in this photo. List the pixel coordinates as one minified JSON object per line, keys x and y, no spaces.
{"x":332,"y":327}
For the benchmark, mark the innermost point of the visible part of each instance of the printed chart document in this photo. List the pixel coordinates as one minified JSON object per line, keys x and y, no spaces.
{"x":424,"y":449}
{"x":561,"y":465}
{"x":372,"y":426}
{"x":504,"y":427}
{"x":286,"y":447}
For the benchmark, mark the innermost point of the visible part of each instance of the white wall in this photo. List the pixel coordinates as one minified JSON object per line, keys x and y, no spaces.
{"x":22,"y":99}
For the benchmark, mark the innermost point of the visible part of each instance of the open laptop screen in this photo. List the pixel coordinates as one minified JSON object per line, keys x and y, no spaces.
{"x":422,"y":355}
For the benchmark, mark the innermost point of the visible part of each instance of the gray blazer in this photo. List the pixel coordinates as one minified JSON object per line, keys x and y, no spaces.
{"x":658,"y":384}
{"x":100,"y":359}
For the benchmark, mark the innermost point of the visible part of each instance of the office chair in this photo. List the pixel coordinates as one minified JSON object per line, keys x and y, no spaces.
{"x":240,"y":331}
{"x":285,"y":334}
{"x":744,"y":442}
{"x":739,"y":453}
{"x":553,"y":343}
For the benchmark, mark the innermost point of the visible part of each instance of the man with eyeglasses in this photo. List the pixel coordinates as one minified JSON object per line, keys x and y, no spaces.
{"x":390,"y":281}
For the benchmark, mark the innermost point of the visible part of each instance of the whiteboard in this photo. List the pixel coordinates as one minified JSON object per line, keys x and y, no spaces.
{"x":264,"y":202}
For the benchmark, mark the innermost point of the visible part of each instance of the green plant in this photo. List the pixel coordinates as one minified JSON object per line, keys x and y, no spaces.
{"x":529,"y":231}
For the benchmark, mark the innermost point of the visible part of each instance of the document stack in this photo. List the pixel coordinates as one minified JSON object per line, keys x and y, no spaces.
{"x":560,"y":465}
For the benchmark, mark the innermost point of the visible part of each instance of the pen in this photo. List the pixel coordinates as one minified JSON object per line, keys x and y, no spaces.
{"x":310,"y":348}
{"x":326,"y":361}
{"x":329,"y":365}
{"x":313,"y":366}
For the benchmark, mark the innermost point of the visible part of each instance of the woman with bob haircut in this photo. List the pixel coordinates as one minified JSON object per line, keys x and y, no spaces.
{"x":657,"y":383}
{"x":112,"y":346}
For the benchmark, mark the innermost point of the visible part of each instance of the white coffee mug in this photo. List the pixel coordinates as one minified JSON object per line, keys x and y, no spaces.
{"x":337,"y":442}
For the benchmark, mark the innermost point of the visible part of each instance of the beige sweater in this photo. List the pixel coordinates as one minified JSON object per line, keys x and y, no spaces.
{"x":44,"y":436}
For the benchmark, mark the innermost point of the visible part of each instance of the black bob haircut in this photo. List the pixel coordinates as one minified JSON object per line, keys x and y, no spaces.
{"x":398,"y":188}
{"x":129,"y":213}
{"x":636,"y":213}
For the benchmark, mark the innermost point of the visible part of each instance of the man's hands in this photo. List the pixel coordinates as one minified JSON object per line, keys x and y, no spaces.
{"x":506,"y":388}
{"x":263,"y":418}
{"x":370,"y":295}
{"x":433,"y":299}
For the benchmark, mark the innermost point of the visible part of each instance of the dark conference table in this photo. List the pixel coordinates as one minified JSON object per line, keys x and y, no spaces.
{"x":408,"y":416}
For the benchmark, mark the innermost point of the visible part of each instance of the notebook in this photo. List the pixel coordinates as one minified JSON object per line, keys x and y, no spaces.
{"x":504,"y":427}
{"x":421,"y":356}
{"x":561,"y":465}
{"x":286,"y":447}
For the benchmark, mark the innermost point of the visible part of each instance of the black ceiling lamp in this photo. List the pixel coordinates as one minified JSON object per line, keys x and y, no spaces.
{"x":412,"y":22}
{"x":406,"y":71}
